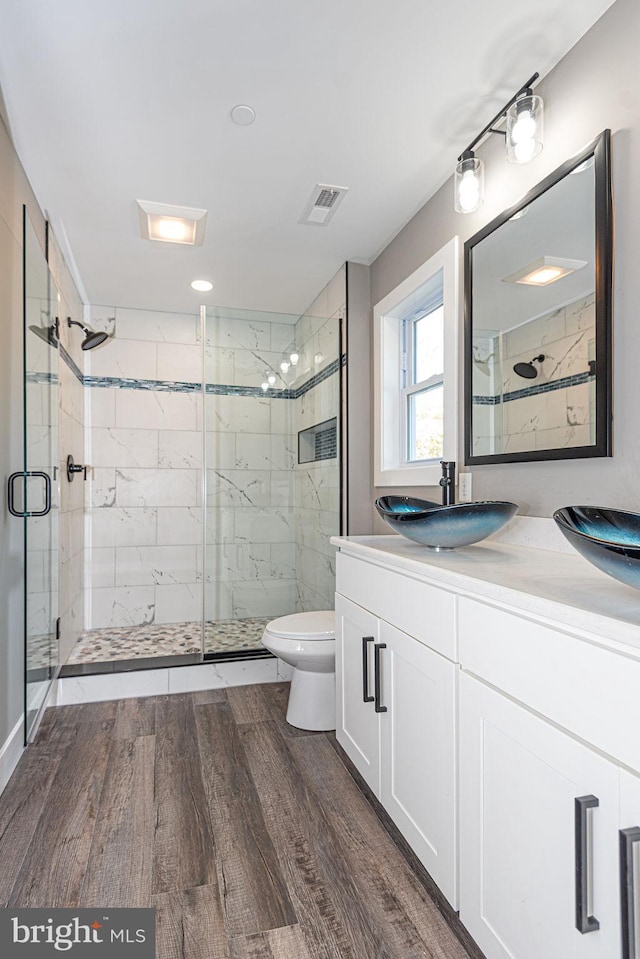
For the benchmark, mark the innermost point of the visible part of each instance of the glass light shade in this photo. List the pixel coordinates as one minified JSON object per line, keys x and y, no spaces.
{"x":469,"y":184}
{"x":524,"y":129}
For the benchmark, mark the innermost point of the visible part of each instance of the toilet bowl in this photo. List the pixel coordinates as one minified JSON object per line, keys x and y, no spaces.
{"x":307,"y":641}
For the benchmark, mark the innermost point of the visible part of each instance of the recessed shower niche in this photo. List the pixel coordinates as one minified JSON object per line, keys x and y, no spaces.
{"x":201,"y":525}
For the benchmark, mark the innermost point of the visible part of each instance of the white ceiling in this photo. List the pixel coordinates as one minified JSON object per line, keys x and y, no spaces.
{"x":114,"y":100}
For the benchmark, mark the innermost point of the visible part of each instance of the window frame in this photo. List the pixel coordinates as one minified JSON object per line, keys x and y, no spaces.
{"x":391,"y":464}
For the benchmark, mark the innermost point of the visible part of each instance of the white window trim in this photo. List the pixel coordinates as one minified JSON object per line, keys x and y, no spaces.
{"x":389,"y":466}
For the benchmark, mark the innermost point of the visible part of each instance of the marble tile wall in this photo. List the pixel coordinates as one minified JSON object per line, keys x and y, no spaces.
{"x":250,"y":447}
{"x":144,"y":490}
{"x":317,"y":485}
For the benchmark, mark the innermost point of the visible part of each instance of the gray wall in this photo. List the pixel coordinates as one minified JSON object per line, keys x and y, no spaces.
{"x":359,"y":439}
{"x":596,"y":85}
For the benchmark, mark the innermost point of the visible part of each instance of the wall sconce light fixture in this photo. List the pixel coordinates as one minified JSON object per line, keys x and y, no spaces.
{"x":523,"y":136}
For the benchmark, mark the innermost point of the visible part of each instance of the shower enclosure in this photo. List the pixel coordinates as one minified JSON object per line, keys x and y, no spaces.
{"x":213,"y":481}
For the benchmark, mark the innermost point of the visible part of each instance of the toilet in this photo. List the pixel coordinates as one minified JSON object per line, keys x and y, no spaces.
{"x":307,"y":641}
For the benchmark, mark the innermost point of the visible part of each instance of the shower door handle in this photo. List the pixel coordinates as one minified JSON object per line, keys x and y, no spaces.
{"x":24,"y":474}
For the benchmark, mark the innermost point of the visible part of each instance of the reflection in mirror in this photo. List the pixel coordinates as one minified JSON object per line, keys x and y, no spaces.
{"x":538,"y":326}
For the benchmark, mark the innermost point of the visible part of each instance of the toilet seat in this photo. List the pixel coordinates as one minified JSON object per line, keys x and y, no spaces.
{"x":317,"y":625}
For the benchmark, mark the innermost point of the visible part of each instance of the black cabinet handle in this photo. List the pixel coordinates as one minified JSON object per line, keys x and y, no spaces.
{"x":366,"y":698}
{"x":628,"y":839}
{"x":47,"y":494}
{"x":377,"y":679}
{"x":584,"y":922}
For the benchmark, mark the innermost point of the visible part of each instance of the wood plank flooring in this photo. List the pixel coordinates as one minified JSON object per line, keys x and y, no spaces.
{"x":250,"y":838}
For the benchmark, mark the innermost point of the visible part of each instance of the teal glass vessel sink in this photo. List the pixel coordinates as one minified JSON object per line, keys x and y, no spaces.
{"x":608,"y":538}
{"x":444,"y":527}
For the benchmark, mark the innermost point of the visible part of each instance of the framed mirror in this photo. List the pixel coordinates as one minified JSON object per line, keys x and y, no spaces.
{"x":538,"y":284}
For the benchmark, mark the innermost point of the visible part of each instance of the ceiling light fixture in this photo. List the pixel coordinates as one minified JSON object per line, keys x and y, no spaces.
{"x":284,"y":366}
{"x":524,"y":128}
{"x":523,"y":137}
{"x":294,"y":359}
{"x":545,"y":270}
{"x":202,"y":286}
{"x":171,"y":224}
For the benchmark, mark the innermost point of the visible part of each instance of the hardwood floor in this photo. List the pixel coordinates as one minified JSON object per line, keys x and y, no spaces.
{"x":251,"y":838}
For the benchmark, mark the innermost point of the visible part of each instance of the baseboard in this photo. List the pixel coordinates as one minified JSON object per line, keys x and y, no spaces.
{"x":11,"y":753}
{"x":160,"y":682}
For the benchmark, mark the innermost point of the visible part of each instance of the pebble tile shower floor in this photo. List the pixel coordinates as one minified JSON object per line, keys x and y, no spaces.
{"x":170,"y":639}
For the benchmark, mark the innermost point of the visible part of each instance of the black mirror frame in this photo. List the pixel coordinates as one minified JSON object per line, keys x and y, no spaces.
{"x":600,"y":149}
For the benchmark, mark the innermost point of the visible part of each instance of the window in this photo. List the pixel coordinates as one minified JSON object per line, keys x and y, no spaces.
{"x":416,"y":338}
{"x":422,"y":377}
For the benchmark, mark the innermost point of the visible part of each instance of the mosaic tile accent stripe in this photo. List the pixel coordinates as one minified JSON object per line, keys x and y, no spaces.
{"x":124,"y":383}
{"x":219,"y":389}
{"x":560,"y":384}
{"x":48,"y":378}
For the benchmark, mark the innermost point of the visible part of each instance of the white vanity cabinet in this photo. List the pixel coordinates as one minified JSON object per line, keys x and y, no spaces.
{"x":396,"y":706}
{"x":357,"y":722}
{"x":524,"y":888}
{"x":529,"y":661}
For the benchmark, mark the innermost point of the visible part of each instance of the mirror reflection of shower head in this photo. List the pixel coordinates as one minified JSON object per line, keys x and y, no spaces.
{"x":528,"y":370}
{"x":92,"y":338}
{"x":50,"y":334}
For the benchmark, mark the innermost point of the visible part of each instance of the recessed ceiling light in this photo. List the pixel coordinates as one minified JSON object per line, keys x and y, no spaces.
{"x":545,"y":270}
{"x":171,"y":228}
{"x":202,"y":286}
{"x":171,"y":224}
{"x":243,"y":115}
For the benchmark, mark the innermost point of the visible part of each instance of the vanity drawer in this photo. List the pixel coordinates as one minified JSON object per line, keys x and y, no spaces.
{"x":424,"y":612}
{"x":591,"y":691}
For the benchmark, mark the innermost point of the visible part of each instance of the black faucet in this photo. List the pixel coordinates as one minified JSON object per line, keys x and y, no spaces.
{"x":448,"y":482}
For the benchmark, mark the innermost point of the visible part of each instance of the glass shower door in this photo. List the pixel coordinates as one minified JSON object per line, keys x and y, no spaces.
{"x":272,"y":469}
{"x":39,"y":486}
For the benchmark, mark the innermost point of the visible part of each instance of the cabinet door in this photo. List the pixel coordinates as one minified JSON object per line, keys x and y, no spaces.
{"x":519,"y":839}
{"x":629,"y":853}
{"x":357,"y":723}
{"x":418,"y":749}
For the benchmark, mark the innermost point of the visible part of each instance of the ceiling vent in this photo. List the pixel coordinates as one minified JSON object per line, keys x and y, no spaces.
{"x":322,"y":204}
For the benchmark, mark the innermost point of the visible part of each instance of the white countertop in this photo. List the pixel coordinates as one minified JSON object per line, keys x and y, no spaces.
{"x":549,"y":583}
